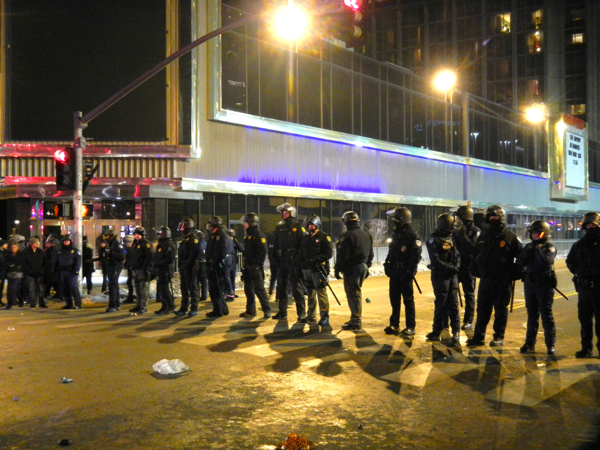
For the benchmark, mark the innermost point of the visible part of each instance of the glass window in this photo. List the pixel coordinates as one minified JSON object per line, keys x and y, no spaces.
{"x":503,"y":23}
{"x":577,"y":38}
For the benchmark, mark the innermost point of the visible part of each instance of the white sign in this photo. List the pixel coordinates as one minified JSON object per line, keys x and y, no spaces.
{"x":574,"y":148}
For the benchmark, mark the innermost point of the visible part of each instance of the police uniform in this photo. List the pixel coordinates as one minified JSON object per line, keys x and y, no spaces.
{"x":444,"y":264}
{"x":163,"y":267}
{"x":140,"y":261}
{"x":189,"y":256}
{"x":217,"y":249}
{"x":255,"y":251}
{"x":354,"y":257}
{"x":68,"y":264}
{"x":315,"y":252}
{"x":401,"y":265}
{"x":464,"y":238}
{"x":493,"y":261}
{"x":114,"y":256}
{"x":537,"y":261}
{"x":286,"y":245}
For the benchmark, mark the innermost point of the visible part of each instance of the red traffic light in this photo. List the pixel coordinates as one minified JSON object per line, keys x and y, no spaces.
{"x":353,"y":4}
{"x":62,"y":156}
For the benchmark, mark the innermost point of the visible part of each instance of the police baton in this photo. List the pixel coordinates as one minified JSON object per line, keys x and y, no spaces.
{"x":417,"y":284}
{"x":559,"y":291}
{"x":512,"y":297}
{"x":459,"y":296}
{"x":321,"y":270}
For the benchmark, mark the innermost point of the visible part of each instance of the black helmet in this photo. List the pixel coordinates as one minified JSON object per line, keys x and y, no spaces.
{"x":314,"y":219}
{"x":109,"y":232}
{"x":349,"y":217}
{"x":215,"y":222}
{"x":445,"y":222}
{"x":186,"y":225}
{"x":400,"y":214}
{"x":140,"y":230}
{"x":164,"y":233}
{"x":464,"y":213}
{"x":66,"y":237}
{"x":591,"y":217}
{"x":539,"y":226}
{"x":287,"y":207}
{"x":494,"y":210}
{"x":231,"y":233}
{"x":250,"y":218}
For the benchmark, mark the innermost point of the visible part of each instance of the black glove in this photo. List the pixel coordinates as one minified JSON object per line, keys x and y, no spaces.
{"x":338,"y":275}
{"x":387,"y":268}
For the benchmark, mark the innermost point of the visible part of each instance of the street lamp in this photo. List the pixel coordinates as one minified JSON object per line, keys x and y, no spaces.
{"x":537,"y":114}
{"x":291,"y":22}
{"x":445,"y":80}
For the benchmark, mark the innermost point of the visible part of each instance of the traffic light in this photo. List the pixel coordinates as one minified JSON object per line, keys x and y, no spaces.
{"x":88,"y":173}
{"x":343,"y":20}
{"x":65,"y":169}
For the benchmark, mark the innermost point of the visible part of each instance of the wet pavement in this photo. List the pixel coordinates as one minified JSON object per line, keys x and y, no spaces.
{"x":252,"y":382}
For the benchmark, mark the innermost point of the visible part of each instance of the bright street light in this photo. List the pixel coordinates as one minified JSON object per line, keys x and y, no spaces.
{"x":291,"y":23}
{"x":536,"y":113}
{"x":445,"y":80}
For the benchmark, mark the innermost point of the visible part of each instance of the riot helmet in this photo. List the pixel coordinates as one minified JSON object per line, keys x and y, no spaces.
{"x":350,"y":217}
{"x":231,"y":233}
{"x":464,"y":213}
{"x":400,"y":215}
{"x":215,"y":222}
{"x":251,"y":219}
{"x":588,"y":218}
{"x":287,"y":207}
{"x":66,"y":237}
{"x":312,"y":219}
{"x":539,"y":226}
{"x":492,"y":211}
{"x":164,"y":233}
{"x":140,"y":230}
{"x":445,"y":222}
{"x":186,"y":226}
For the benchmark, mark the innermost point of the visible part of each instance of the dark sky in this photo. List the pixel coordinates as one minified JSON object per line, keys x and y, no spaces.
{"x":68,"y":55}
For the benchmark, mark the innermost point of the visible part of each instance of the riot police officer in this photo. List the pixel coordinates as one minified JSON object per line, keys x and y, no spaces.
{"x":68,"y":264}
{"x":255,"y":251}
{"x":464,"y":237}
{"x":188,"y":258}
{"x":584,"y":262}
{"x":286,"y":245}
{"x":493,"y":261}
{"x":140,"y":261}
{"x":217,"y":250}
{"x":401,"y":265}
{"x":315,"y":253}
{"x":444,"y":264}
{"x":537,"y":261}
{"x":354,"y":257}
{"x":163,"y":268}
{"x":114,"y":256}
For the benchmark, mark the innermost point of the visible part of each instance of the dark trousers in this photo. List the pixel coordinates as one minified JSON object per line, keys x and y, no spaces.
{"x":255,"y":287}
{"x":539,"y":298}
{"x":288,"y":279}
{"x":2,"y":288}
{"x":52,"y":280}
{"x":104,"y":280}
{"x":114,"y":296}
{"x":493,"y":295}
{"x":35,"y":291}
{"x":163,"y":292}
{"x":13,"y":291}
{"x":203,"y":281}
{"x":273,"y":280}
{"x":189,"y":289}
{"x":316,"y":289}
{"x":401,"y":286}
{"x":354,"y":276}
{"x":232,"y":273}
{"x":216,"y":288}
{"x":588,"y":310}
{"x":467,"y":282}
{"x":130,"y":289}
{"x":446,"y":303}
{"x":70,"y":288}
{"x":141,"y":282}
{"x":88,"y":282}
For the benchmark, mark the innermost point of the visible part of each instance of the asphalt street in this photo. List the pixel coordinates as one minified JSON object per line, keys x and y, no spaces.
{"x":253,"y":381}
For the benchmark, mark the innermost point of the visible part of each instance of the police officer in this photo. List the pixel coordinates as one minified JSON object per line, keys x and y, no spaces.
{"x":465,"y":236}
{"x":87,"y":264}
{"x":164,"y":268}
{"x":537,"y":262}
{"x":354,"y":257}
{"x":217,"y":250}
{"x":401,"y":265}
{"x":493,"y":261}
{"x":141,"y":265}
{"x":444,"y":264}
{"x":315,"y":253}
{"x":68,"y":264}
{"x":114,"y":256}
{"x":237,"y":248}
{"x":101,"y":248}
{"x":255,"y":251}
{"x":584,"y":262}
{"x":286,"y":245}
{"x":188,"y":256}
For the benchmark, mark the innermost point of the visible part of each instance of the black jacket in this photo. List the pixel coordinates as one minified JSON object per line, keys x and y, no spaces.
{"x":87,"y":266}
{"x":164,"y":258}
{"x":286,"y":242}
{"x":495,"y":253}
{"x":464,"y":238}
{"x":189,"y":252}
{"x":315,"y":249}
{"x":584,"y":258}
{"x":68,"y":259}
{"x":444,"y":259}
{"x":255,"y":247}
{"x":33,"y":262}
{"x":217,"y":249}
{"x":404,"y":252}
{"x":140,"y":257}
{"x":355,"y":247}
{"x":537,"y":261}
{"x":114,"y":255}
{"x":14,"y":265}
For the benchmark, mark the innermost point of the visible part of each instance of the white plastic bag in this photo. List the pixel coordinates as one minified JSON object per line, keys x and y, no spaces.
{"x":170,"y":367}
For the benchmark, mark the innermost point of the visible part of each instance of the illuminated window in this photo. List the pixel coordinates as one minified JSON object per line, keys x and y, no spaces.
{"x":536,"y":18}
{"x":534,"y":42}
{"x":417,"y":55}
{"x":503,"y":23}
{"x":577,"y":110}
{"x":577,"y":38}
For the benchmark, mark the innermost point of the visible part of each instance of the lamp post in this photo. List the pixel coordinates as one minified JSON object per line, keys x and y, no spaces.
{"x":537,"y":114}
{"x":445,"y":81}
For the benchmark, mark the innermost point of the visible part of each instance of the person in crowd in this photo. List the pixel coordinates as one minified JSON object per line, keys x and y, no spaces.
{"x":101,"y":248}
{"x":286,"y":245}
{"x":315,"y":252}
{"x":140,"y":261}
{"x":68,"y":264}
{"x":128,"y":245}
{"x":494,"y":262}
{"x":537,"y":262}
{"x":401,"y":265}
{"x":464,"y":236}
{"x":354,"y":257}
{"x":33,"y":264}
{"x":3,"y":251}
{"x":201,"y":267}
{"x":14,"y":273}
{"x":164,"y":269}
{"x":51,"y":276}
{"x":444,"y":264}
{"x":189,"y":255}
{"x":253,"y":275}
{"x":87,"y":265}
{"x":237,"y":249}
{"x":217,"y":249}
{"x":114,"y":256}
{"x":583,"y":261}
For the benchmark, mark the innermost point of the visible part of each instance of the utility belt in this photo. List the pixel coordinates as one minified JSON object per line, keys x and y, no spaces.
{"x":548,"y":277}
{"x":581,"y":283}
